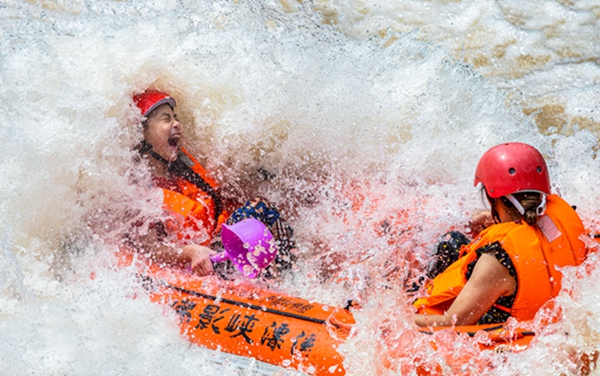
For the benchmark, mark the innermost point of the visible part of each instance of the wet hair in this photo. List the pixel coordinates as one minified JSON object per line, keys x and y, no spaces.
{"x":528,"y":200}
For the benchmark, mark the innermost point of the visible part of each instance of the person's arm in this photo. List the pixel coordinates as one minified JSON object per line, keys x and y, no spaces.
{"x":193,"y":255}
{"x":489,"y":281}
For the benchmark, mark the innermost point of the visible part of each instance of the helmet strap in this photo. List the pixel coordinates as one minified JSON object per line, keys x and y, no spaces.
{"x":517,"y":204}
{"x":147,"y":148}
{"x":541,"y":209}
{"x":181,"y":169}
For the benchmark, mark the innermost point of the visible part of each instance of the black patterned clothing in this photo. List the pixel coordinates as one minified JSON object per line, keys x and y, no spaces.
{"x":259,"y":208}
{"x":495,"y":314}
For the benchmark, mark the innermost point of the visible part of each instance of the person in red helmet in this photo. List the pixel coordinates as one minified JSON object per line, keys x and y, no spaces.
{"x":194,"y":210}
{"x":511,"y":269}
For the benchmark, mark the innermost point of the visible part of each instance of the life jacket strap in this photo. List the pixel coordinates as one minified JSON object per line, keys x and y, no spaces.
{"x":184,"y":171}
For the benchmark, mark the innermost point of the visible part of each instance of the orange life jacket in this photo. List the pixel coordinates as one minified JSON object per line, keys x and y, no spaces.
{"x":193,"y":216}
{"x":536,"y":252}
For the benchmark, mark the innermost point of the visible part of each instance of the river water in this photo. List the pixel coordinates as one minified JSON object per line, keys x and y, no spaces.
{"x":362,"y":120}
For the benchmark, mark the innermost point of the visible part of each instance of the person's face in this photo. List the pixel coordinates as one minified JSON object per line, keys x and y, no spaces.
{"x":163,"y":132}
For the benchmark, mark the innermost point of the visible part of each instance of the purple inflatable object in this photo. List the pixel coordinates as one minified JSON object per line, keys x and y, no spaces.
{"x":249,"y":245}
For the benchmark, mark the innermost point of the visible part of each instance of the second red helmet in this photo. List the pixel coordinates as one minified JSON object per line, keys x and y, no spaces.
{"x":512,"y":167}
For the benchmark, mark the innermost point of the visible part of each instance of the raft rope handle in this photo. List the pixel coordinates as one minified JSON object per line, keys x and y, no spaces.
{"x":235,"y":302}
{"x":490,"y":329}
{"x":287,"y":314}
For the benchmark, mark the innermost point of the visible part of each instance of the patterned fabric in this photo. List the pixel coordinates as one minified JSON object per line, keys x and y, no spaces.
{"x":496,"y":315}
{"x":262,"y":210}
{"x":447,"y":253}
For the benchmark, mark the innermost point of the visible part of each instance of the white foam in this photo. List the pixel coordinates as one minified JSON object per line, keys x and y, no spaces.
{"x":356,"y":130}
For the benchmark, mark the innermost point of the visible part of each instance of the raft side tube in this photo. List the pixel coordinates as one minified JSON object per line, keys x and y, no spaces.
{"x":273,"y":328}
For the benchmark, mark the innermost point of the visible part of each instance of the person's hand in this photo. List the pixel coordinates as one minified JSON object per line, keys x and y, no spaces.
{"x":480,"y":221}
{"x":199,"y":257}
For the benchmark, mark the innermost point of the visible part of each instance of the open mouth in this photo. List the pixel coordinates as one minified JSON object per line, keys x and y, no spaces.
{"x":174,"y":140}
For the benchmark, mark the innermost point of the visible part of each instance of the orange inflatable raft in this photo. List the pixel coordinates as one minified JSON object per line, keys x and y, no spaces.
{"x":240,"y":319}
{"x":452,"y":357}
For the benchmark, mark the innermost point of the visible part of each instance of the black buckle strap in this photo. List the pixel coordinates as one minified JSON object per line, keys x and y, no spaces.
{"x":179,"y":168}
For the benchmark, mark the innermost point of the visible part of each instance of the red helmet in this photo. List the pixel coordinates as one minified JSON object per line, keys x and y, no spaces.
{"x":151,"y":99}
{"x":512,"y":167}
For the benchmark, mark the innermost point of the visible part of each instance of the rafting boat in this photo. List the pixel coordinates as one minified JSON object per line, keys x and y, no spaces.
{"x":278,"y":330}
{"x":240,"y":319}
{"x":236,"y":317}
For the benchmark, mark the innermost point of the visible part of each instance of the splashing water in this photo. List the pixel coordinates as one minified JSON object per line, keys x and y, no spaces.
{"x":362,"y":122}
